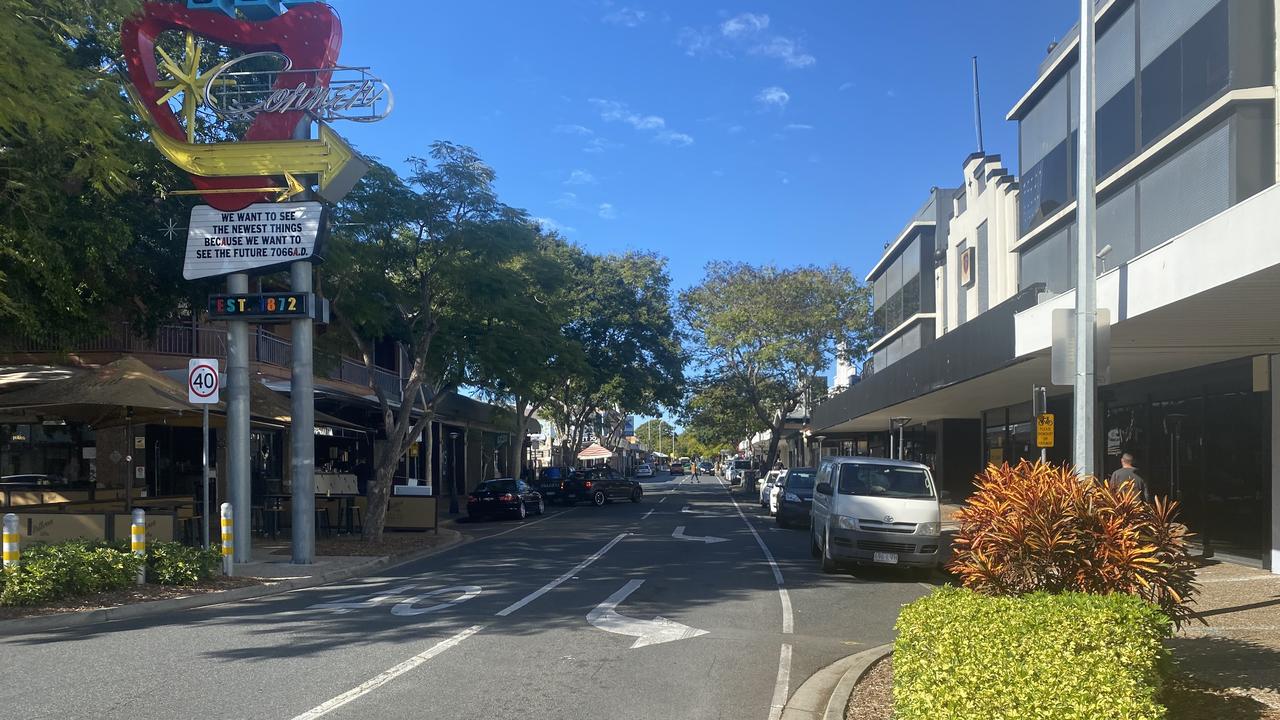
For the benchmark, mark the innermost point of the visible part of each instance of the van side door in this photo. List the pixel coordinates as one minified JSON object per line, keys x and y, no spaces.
{"x":822,"y":502}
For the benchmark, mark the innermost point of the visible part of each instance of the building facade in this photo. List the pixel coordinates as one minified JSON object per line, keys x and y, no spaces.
{"x":1188,"y":272}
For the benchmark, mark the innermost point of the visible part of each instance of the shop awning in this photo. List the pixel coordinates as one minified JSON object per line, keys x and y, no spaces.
{"x":595,"y":451}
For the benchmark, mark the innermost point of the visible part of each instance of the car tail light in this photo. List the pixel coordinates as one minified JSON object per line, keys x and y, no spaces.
{"x":507,"y":496}
{"x":587,"y":484}
{"x":561,"y":484}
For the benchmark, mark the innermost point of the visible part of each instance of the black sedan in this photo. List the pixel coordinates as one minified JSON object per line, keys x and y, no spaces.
{"x":504,"y":497}
{"x":598,"y":486}
{"x":795,"y":494}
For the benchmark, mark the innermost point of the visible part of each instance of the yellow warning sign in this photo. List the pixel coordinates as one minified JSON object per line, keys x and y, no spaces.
{"x":1044,"y":430}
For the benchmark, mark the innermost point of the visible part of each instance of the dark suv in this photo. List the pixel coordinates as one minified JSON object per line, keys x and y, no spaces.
{"x":548,"y":482}
{"x":598,"y":486}
{"x":795,"y":495}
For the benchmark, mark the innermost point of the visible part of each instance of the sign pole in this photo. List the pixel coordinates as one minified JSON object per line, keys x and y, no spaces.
{"x":204,"y":456}
{"x":1086,"y":387}
{"x":238,"y":423}
{"x":303,"y":413}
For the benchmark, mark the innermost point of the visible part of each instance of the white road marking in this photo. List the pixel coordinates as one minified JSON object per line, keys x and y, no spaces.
{"x":555,"y":583}
{"x":524,"y":525}
{"x":664,"y":499}
{"x":355,"y":602}
{"x":646,"y":515}
{"x":387,"y":676}
{"x":679,"y":535}
{"x":646,"y":632}
{"x":464,"y":592}
{"x":788,"y":621}
{"x":781,"y":687}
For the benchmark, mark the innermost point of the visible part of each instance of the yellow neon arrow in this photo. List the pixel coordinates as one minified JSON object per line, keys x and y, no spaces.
{"x":292,"y":187}
{"x":325,"y":157}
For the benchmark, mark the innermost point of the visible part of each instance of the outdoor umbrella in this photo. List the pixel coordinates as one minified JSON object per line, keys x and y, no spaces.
{"x":595,"y":451}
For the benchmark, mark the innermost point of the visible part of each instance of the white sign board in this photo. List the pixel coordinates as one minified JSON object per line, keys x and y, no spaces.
{"x":1062,"y":358}
{"x":202,"y":381}
{"x":261,"y":235}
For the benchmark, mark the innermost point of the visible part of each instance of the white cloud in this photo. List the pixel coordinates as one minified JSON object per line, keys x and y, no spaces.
{"x":678,"y":139}
{"x":580,"y":177}
{"x":550,"y":225}
{"x":847,"y":85}
{"x":627,"y":17}
{"x":599,"y":145}
{"x":773,"y":96}
{"x":786,"y":50}
{"x":694,"y":42}
{"x":574,"y":130}
{"x":614,"y":111}
{"x":744,"y":24}
{"x":798,"y":126}
{"x":566,"y":200}
{"x":735,"y":129}
{"x":606,"y":212}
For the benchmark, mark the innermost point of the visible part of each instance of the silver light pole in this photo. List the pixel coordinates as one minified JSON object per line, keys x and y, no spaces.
{"x":238,"y":425}
{"x":1086,"y":286}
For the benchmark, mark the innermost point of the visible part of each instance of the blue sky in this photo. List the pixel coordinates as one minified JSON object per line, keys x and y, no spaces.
{"x":766,"y":132}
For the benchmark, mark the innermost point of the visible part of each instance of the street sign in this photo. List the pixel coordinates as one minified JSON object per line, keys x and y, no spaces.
{"x":1044,"y":430}
{"x":261,"y":235}
{"x":202,"y":381}
{"x":1062,"y":354}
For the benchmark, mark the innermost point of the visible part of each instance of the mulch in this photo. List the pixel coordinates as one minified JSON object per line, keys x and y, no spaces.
{"x":1186,"y":699}
{"x":128,"y":596}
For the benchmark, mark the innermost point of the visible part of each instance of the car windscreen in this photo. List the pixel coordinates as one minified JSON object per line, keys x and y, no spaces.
{"x":800,"y":480}
{"x":550,"y":473}
{"x":742,"y":464}
{"x":502,"y":486}
{"x":884,"y":481}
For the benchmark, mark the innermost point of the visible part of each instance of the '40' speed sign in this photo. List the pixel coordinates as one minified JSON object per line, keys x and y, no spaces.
{"x":202,"y":381}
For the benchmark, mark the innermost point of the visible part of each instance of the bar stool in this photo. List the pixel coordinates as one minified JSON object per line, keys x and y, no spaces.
{"x":322,"y":521}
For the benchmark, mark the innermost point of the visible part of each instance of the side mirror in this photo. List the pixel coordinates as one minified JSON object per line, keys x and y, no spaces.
{"x":823,"y":488}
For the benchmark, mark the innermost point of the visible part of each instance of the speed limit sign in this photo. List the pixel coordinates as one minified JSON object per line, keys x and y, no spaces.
{"x":202,"y":381}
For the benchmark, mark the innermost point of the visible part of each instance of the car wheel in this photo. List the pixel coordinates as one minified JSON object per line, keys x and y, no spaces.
{"x":542,"y":506}
{"x":522,"y":512}
{"x":828,"y":562}
{"x":636,"y":495}
{"x":598,"y":499}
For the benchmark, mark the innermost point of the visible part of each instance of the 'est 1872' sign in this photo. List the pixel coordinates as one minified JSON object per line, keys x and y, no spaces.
{"x":259,"y":236}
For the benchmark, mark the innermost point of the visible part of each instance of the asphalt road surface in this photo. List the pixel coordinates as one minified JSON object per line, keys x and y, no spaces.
{"x":688,"y":605}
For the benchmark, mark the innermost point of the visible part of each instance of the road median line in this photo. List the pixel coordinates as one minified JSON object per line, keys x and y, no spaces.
{"x":557,"y":582}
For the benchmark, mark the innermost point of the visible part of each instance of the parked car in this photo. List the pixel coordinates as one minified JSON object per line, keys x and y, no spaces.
{"x":766,"y":487}
{"x":504,"y":496}
{"x":706,"y":467}
{"x":644,"y":470}
{"x":548,"y":482}
{"x":795,"y":494}
{"x":874,"y":510}
{"x":598,"y":486}
{"x":737,"y":470}
{"x":677,"y":468}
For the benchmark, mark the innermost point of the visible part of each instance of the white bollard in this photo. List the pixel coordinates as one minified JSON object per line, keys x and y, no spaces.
{"x":228,"y":540}
{"x":138,"y":541}
{"x":12,"y":552}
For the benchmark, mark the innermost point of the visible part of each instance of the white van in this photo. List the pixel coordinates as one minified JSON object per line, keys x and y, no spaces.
{"x":874,"y":510}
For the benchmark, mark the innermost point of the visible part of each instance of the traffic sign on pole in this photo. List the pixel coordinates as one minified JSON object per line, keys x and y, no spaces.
{"x":1044,"y":430}
{"x":202,"y":381}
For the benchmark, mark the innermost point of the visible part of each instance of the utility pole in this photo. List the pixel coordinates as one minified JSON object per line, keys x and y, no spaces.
{"x":1086,"y":387}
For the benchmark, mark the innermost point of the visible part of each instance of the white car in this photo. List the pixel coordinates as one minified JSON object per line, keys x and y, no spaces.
{"x":767,"y":487}
{"x":644,"y":470}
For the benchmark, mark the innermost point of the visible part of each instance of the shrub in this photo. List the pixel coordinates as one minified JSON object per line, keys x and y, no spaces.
{"x":52,"y":572}
{"x":1071,"y":656}
{"x":171,"y":563}
{"x":1038,"y":527}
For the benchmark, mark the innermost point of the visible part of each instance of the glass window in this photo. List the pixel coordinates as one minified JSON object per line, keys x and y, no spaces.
{"x":1048,"y":262}
{"x":911,"y":298}
{"x":911,"y":341}
{"x":980,"y":269}
{"x":1046,"y":187}
{"x":884,"y":481}
{"x":1117,"y":227}
{"x":962,"y":291}
{"x":1205,"y":60}
{"x":1117,"y":131}
{"x":1115,"y":58}
{"x":893,"y":312}
{"x":1187,"y":189}
{"x":1182,"y":74}
{"x":911,"y":260}
{"x":1044,"y":127}
{"x":877,"y":291}
{"x":1164,"y":22}
{"x":893,"y":277}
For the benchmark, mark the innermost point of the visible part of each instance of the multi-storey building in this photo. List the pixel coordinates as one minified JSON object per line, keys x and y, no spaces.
{"x":1188,"y":271}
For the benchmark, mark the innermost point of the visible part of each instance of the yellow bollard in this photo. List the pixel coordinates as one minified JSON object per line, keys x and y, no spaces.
{"x":12,"y":550}
{"x":228,"y":540}
{"x":138,"y":541}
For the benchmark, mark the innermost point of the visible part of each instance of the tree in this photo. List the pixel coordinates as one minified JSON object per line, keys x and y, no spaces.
{"x":763,"y":334}
{"x":624,"y":325}
{"x":424,"y":263}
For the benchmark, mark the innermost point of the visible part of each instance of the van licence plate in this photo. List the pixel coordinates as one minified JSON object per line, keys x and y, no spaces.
{"x":883,"y":557}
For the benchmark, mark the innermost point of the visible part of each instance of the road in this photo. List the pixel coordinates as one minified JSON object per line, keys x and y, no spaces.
{"x":583,"y":613}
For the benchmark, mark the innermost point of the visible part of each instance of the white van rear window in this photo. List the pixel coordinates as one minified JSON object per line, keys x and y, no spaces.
{"x":884,"y":481}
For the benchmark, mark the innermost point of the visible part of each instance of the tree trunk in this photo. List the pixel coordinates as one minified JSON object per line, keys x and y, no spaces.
{"x":516,"y":446}
{"x":775,"y":436}
{"x":428,"y":446}
{"x":385,"y":460}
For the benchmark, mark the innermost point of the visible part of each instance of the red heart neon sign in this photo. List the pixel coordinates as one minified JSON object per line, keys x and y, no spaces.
{"x":310,"y":35}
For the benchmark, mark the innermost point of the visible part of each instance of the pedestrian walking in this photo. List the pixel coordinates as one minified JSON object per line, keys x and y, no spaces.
{"x":1128,"y":473}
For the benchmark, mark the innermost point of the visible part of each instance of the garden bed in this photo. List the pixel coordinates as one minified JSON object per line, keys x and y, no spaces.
{"x":127,"y":596}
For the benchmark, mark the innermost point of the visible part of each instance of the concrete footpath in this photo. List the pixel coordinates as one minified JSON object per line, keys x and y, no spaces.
{"x":268,"y":563}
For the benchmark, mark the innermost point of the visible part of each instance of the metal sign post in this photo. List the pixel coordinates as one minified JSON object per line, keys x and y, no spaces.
{"x":302,"y":431}
{"x":203,"y":388}
{"x":1086,"y":381}
{"x":238,"y":489}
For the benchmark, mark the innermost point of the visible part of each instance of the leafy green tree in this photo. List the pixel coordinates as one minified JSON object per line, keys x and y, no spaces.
{"x":624,"y":325}
{"x":762,"y":334}
{"x":425,"y":263}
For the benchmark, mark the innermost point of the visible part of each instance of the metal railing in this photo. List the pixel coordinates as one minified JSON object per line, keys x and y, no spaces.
{"x":197,"y":340}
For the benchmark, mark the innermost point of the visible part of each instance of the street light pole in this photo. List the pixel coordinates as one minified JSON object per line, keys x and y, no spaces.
{"x":1086,"y":273}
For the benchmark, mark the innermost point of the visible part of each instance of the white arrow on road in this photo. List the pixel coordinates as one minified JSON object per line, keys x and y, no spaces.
{"x":646,"y":632}
{"x":679,"y":535}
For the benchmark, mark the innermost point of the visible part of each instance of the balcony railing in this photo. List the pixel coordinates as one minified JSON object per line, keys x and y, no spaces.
{"x":200,"y":341}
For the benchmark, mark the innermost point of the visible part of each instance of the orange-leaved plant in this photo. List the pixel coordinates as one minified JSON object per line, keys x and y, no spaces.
{"x":1041,"y":527}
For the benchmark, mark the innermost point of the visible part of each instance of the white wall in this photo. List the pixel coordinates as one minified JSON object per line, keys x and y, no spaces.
{"x":997,"y":205}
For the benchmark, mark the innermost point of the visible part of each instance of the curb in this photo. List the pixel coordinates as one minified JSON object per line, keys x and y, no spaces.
{"x":61,"y":621}
{"x":826,"y":693}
